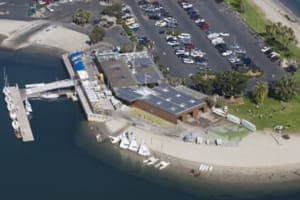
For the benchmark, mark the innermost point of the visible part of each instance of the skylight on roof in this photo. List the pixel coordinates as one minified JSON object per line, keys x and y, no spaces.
{"x":168,"y":99}
{"x":165,"y":90}
{"x":173,"y":108}
{"x":192,"y":101}
{"x":178,"y":95}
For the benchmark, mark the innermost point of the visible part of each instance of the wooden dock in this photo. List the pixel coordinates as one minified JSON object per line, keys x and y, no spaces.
{"x":22,"y":118}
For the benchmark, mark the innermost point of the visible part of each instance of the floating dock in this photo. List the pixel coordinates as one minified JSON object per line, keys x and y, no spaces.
{"x":22,"y":118}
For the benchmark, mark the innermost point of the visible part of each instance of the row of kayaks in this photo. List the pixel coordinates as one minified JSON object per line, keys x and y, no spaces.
{"x":130,"y":143}
{"x":12,"y":113}
{"x":160,"y":165}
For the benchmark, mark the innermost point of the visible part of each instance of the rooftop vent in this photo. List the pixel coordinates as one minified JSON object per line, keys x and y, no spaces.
{"x":165,"y":90}
{"x":168,"y":99}
{"x":178,"y":95}
{"x":192,"y":101}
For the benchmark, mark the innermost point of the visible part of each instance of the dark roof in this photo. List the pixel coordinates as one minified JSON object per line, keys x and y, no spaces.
{"x":117,"y":74}
{"x":146,"y":71}
{"x":164,"y":97}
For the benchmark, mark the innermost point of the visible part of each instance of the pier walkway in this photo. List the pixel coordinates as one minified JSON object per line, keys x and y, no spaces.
{"x":50,"y":86}
{"x":90,"y":115}
{"x":22,"y":118}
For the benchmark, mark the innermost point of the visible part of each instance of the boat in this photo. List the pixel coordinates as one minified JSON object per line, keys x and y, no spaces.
{"x":144,"y":150}
{"x":28,"y":107}
{"x":124,"y":142}
{"x":152,"y":161}
{"x":15,"y":124}
{"x":133,"y":146}
{"x":12,"y":115}
{"x":8,"y":99}
{"x":10,"y":106}
{"x":34,"y":85}
{"x":98,"y":138}
{"x":115,"y":140}
{"x":50,"y":96}
{"x":5,"y":91}
{"x":162,"y":165}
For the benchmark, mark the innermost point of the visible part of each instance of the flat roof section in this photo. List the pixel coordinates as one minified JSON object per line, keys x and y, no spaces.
{"x":146,"y":70}
{"x":117,"y":73}
{"x":164,"y":97}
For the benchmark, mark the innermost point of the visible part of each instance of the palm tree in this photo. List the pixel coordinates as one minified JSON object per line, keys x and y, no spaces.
{"x":261,"y":90}
{"x":286,"y":88}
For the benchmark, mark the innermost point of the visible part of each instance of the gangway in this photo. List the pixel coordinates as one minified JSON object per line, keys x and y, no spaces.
{"x":50,"y":86}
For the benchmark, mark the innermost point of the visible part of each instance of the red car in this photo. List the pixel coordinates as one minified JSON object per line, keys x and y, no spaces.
{"x":190,"y":47}
{"x":205,"y":27}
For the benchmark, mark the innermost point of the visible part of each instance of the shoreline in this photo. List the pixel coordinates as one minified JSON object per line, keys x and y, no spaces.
{"x":276,"y":11}
{"x":16,"y":34}
{"x":233,"y":173}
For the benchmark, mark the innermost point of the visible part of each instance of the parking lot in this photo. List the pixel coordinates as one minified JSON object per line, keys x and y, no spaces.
{"x":220,"y":20}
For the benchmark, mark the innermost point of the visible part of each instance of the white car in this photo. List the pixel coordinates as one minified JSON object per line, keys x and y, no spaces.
{"x":265,"y":49}
{"x":171,"y":37}
{"x":218,"y":40}
{"x":224,"y":34}
{"x":184,"y":36}
{"x":134,"y":26}
{"x":198,"y":53}
{"x":188,"y":60}
{"x":213,"y":35}
{"x":200,"y":20}
{"x":227,"y":53}
{"x":173,"y":43}
{"x":186,"y":5}
{"x":161,"y":23}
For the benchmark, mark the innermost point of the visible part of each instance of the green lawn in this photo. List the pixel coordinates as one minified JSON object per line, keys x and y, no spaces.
{"x":272,"y":112}
{"x":257,"y":22}
{"x":228,"y":132}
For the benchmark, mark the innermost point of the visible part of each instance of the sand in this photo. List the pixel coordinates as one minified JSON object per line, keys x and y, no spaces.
{"x":20,"y":34}
{"x":276,"y":11}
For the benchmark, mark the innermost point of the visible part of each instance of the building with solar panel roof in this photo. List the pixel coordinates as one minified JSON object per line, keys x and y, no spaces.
{"x":128,"y":76}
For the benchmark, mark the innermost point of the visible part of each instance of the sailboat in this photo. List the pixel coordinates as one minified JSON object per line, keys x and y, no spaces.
{"x":133,"y":146}
{"x":28,"y":107}
{"x":144,"y":150}
{"x":124,"y":142}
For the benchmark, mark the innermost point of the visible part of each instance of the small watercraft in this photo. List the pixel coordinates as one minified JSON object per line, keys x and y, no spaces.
{"x":50,"y":96}
{"x":8,"y":99}
{"x":124,"y":144}
{"x":28,"y":106}
{"x":162,"y":165}
{"x":15,"y":124}
{"x":5,"y":91}
{"x":12,"y":115}
{"x":115,"y":140}
{"x":152,"y":161}
{"x":10,"y":106}
{"x":133,"y":146}
{"x":144,"y":150}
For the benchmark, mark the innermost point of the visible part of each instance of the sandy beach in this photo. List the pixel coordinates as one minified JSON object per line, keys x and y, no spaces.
{"x":258,"y":157}
{"x":275,"y":11}
{"x":21,"y":34}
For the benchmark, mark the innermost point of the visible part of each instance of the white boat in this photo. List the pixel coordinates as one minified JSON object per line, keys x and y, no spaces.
{"x":10,"y":106}
{"x":133,"y":146}
{"x":152,"y":161}
{"x":124,"y":142}
{"x":12,"y":115}
{"x":144,"y":150}
{"x":8,"y":99}
{"x":50,"y":96}
{"x":162,"y":165}
{"x":5,"y":91}
{"x":15,"y":124}
{"x":115,"y":140}
{"x":28,"y":106}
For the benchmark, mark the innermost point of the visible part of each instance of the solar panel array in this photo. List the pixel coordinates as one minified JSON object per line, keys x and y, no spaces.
{"x":164,"y":97}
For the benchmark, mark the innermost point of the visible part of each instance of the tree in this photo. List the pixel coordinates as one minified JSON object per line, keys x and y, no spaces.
{"x":82,"y":16}
{"x":113,"y":10}
{"x":230,"y":83}
{"x":286,"y":88}
{"x":203,"y":83}
{"x":261,"y":90}
{"x":97,"y":34}
{"x":239,"y":5}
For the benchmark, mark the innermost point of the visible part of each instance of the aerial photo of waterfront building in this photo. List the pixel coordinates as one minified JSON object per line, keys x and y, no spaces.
{"x":151,"y":99}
